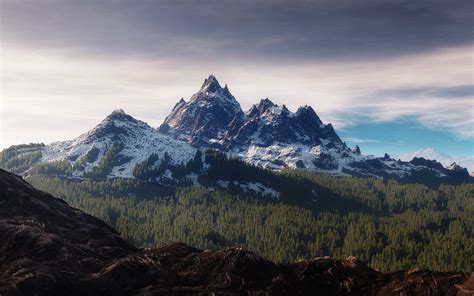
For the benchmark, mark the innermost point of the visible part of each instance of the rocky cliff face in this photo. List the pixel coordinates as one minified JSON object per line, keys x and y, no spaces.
{"x":213,"y":117}
{"x":49,"y":248}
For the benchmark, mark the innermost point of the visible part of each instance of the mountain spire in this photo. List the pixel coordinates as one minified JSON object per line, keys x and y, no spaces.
{"x":206,"y":115}
{"x":356,"y":149}
{"x":210,"y":84}
{"x":120,"y":115}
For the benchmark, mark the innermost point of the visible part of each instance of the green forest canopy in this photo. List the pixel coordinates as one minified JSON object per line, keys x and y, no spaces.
{"x":402,"y":226}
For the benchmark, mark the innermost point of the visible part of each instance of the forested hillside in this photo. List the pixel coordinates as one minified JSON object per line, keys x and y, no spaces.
{"x":50,"y":248}
{"x":389,"y":225}
{"x":214,"y":201}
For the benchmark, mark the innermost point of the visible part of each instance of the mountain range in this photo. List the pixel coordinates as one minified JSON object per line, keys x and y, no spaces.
{"x":267,"y":135}
{"x":444,"y":158}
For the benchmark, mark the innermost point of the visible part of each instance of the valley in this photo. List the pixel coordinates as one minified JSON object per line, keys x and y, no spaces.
{"x":279,"y":183}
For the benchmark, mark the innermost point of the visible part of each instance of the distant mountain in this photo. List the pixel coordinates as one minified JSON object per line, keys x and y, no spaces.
{"x":271,"y":136}
{"x":50,"y":248}
{"x":267,"y":135}
{"x":131,"y":141}
{"x":442,"y":157}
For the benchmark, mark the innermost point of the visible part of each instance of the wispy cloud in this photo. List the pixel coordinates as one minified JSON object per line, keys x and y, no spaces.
{"x":363,"y":140}
{"x":453,"y":114}
{"x":71,"y":90}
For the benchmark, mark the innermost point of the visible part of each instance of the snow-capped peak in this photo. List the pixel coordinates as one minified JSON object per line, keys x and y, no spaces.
{"x":266,"y":108}
{"x":428,"y":153}
{"x":117,"y":111}
{"x":454,"y":166}
{"x":213,"y":117}
{"x":211,"y":93}
{"x":119,"y":115}
{"x":210,"y":84}
{"x":136,"y":139}
{"x":274,"y":112}
{"x":270,"y":135}
{"x":444,"y":158}
{"x":205,"y":116}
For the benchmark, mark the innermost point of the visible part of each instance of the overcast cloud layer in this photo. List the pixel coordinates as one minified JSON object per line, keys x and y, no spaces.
{"x":67,"y":64}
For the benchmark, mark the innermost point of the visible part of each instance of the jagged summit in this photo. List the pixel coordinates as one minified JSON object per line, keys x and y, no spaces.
{"x":211,"y":92}
{"x":269,"y":111}
{"x":260,"y":108}
{"x":213,"y":117}
{"x":455,"y":167}
{"x":206,"y":116}
{"x":211,"y":84}
{"x":307,"y":115}
{"x":267,"y":134}
{"x":271,"y":136}
{"x":119,"y":115}
{"x":211,"y":89}
{"x":116,"y":125}
{"x":303,"y":110}
{"x":356,"y":149}
{"x":118,"y":111}
{"x":267,"y":102}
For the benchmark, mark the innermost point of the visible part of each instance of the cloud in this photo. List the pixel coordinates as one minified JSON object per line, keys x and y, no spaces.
{"x":435,"y":91}
{"x":456,"y":115}
{"x":69,"y":91}
{"x":74,"y":61}
{"x":268,"y":30}
{"x":363,"y":140}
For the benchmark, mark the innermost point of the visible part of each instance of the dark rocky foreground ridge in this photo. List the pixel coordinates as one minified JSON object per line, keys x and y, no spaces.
{"x":49,"y":248}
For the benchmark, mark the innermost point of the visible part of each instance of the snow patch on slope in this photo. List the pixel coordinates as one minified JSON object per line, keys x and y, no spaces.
{"x":137,"y":139}
{"x":260,"y":189}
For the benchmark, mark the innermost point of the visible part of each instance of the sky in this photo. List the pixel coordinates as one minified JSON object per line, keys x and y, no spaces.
{"x":391,"y":76}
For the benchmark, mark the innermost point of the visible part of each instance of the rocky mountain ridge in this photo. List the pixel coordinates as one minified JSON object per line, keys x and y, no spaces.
{"x":267,"y":135}
{"x":444,"y":158}
{"x":273,"y":137}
